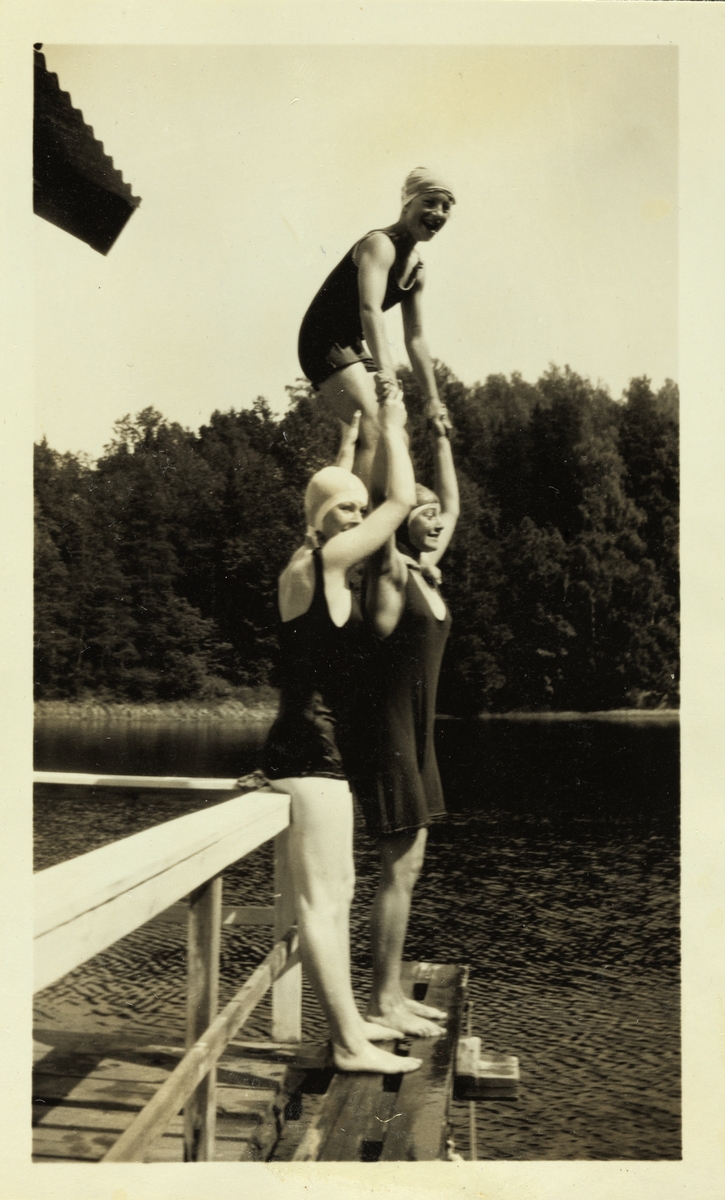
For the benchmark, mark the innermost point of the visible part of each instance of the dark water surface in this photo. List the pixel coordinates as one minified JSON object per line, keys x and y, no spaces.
{"x":555,"y":877}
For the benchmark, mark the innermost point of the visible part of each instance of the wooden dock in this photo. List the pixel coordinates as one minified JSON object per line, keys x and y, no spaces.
{"x":120,"y":1097}
{"x":275,"y":1101}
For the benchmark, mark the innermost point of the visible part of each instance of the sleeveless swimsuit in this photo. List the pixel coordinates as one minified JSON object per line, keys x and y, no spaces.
{"x":320,"y":663}
{"x":331,"y":335}
{"x":396,"y":778}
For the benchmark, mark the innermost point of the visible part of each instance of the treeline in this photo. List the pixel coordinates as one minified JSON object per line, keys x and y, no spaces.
{"x":156,"y":566}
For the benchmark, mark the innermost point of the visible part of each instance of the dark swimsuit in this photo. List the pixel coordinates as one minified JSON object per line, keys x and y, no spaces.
{"x":397,"y":780}
{"x":320,"y":663}
{"x":331,"y":335}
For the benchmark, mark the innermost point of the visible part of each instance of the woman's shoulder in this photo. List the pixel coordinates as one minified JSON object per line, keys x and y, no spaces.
{"x":379,"y":243}
{"x":300,"y":570}
{"x":296,"y":583}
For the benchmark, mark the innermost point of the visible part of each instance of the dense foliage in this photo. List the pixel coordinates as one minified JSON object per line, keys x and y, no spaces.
{"x":156,"y":566}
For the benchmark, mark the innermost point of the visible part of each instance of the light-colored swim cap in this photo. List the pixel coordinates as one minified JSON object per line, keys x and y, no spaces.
{"x":328,"y":487}
{"x":423,"y":179}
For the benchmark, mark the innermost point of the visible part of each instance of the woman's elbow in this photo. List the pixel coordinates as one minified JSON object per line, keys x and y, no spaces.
{"x":400,"y":502}
{"x":369,"y":309}
{"x":415,"y":341}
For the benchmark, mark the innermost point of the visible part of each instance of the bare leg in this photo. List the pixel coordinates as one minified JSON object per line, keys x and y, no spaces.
{"x":401,"y":858}
{"x":352,"y":390}
{"x":320,"y":848}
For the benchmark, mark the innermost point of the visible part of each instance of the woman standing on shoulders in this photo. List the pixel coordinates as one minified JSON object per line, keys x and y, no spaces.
{"x":397,"y":779}
{"x":310,"y":743}
{"x":343,"y":340}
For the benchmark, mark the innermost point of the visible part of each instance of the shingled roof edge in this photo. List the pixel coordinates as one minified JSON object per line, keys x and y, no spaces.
{"x":104,"y":161}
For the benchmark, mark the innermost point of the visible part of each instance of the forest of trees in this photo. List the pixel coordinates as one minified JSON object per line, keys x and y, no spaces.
{"x":156,"y":566}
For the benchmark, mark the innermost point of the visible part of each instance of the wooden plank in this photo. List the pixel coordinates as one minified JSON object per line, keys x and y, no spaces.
{"x":366,"y":1117}
{"x":74,"y":1117}
{"x":287,"y":989}
{"x":70,"y":888}
{"x":420,"y":1132}
{"x":134,"y":1144}
{"x":368,"y":1107}
{"x":251,"y":1065}
{"x":104,"y":1091}
{"x":108,"y":1093}
{"x":86,"y":904}
{"x":202,"y":1003}
{"x":357,"y":1110}
{"x":176,"y":782}
{"x":392,"y":1118}
{"x":72,"y":1145}
{"x":239,"y":916}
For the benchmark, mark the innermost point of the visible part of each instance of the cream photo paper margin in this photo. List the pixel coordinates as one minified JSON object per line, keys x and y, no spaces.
{"x":698,"y":30}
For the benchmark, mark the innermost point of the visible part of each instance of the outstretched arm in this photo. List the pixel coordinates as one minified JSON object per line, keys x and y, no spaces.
{"x":417,"y":347}
{"x":348,"y":440}
{"x":346,"y":549}
{"x":374,"y":259}
{"x":446,"y":485}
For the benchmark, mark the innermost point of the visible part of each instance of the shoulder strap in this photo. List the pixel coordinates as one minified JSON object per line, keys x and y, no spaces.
{"x":365,"y":236}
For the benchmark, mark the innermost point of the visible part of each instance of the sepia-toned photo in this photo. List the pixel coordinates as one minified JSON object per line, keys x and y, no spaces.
{"x":358,"y":834}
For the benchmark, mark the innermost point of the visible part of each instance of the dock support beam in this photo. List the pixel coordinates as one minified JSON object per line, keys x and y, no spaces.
{"x":204,"y":940}
{"x":287,"y":990}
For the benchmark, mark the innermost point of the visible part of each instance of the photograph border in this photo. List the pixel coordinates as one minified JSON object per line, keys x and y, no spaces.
{"x":699,"y":32}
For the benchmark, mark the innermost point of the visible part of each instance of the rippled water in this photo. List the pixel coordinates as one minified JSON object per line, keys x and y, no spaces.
{"x":555,"y":877}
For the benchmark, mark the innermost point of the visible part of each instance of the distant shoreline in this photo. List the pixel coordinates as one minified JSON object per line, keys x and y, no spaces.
{"x":259,"y":706}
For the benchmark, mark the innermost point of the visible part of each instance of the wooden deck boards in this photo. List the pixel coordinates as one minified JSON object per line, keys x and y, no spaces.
{"x":392,"y":1118}
{"x":275,"y":1102}
{"x":84,"y":1099}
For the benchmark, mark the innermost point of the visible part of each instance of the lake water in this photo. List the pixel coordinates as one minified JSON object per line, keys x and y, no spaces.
{"x":555,"y":876}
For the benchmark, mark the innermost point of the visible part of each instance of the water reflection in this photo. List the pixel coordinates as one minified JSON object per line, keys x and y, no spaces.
{"x":555,"y":877}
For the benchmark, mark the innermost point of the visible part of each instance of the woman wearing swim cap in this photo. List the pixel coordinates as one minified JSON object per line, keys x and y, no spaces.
{"x":397,"y":780}
{"x":312,"y":743}
{"x":342,"y":341}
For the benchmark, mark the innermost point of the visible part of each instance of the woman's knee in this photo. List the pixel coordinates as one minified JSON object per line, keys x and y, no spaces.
{"x":402,"y":858}
{"x":329,"y":897}
{"x":349,"y":391}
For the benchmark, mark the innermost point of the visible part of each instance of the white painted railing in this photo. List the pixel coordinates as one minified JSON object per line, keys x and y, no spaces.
{"x":87,"y":903}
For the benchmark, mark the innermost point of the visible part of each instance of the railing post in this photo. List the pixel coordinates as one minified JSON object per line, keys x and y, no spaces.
{"x":287,"y":991}
{"x":204,"y":939}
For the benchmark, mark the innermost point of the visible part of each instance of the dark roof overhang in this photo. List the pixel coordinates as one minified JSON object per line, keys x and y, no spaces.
{"x":75,"y":184}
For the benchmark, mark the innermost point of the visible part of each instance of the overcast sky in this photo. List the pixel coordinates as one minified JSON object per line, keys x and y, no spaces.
{"x":259,"y":166}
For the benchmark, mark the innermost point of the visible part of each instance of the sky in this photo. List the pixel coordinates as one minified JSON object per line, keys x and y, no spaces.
{"x":259,"y":166}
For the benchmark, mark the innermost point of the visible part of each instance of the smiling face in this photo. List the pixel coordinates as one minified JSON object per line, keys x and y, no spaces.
{"x":342,"y":517}
{"x":425,"y":528}
{"x":425,"y":215}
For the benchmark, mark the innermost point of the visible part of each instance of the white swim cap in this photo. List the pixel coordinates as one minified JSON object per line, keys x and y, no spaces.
{"x":423,"y":179}
{"x":328,"y":487}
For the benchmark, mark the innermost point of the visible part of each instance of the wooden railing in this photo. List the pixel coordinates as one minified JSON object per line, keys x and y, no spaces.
{"x":87,"y":903}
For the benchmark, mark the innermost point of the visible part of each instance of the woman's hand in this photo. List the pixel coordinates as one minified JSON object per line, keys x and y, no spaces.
{"x":393,"y":414}
{"x":386,"y":383}
{"x":439,"y":423}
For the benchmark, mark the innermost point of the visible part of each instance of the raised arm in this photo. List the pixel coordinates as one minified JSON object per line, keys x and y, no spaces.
{"x":346,"y":549}
{"x":349,"y":433}
{"x":446,"y":485}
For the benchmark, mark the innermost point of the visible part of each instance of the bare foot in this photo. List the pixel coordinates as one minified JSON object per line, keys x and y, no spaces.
{"x":374,"y":1032}
{"x":400,"y":1017}
{"x":374,"y":1061}
{"x":425,"y":1010}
